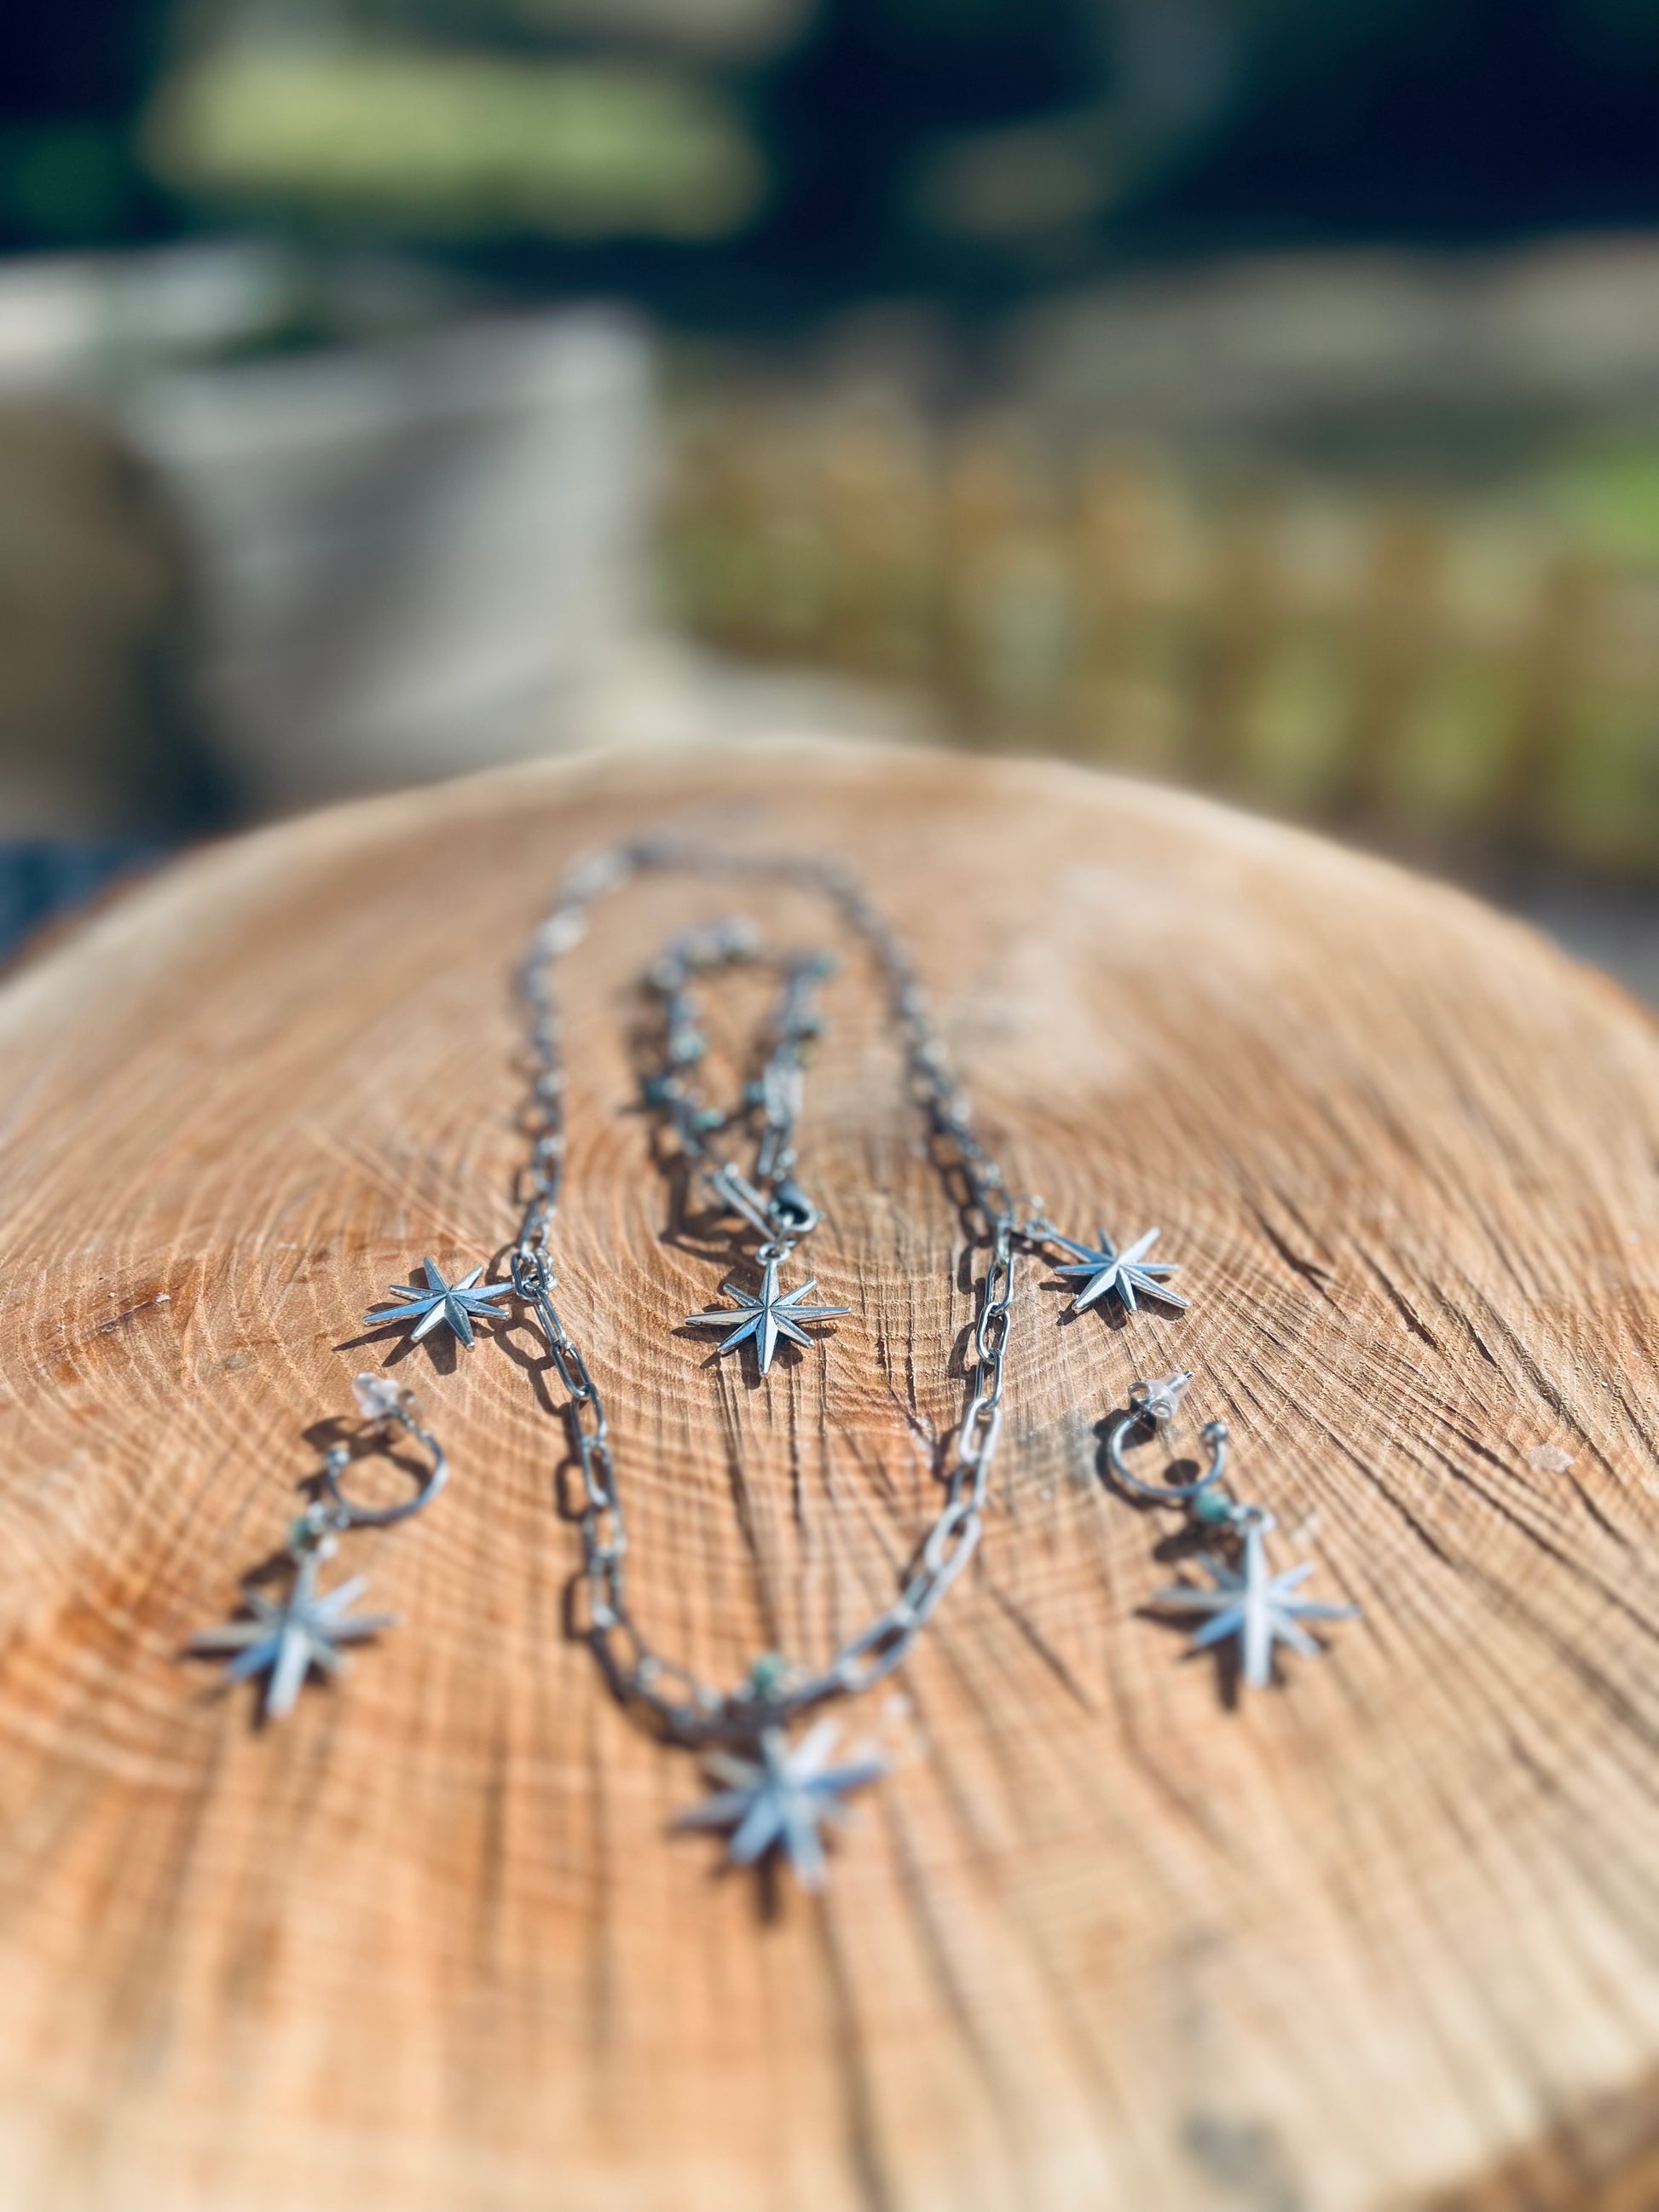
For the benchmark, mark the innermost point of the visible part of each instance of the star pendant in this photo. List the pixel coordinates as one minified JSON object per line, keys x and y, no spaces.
{"x":1104,"y":1269}
{"x":1255,"y":1606}
{"x":284,"y":1642}
{"x":768,"y":1318}
{"x":780,"y":1801}
{"x":457,"y":1305}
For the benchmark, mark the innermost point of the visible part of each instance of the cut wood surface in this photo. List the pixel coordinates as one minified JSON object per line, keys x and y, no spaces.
{"x":1383,"y":1936}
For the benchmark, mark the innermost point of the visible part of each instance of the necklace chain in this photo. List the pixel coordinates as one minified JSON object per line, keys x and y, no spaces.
{"x":685,"y":1707}
{"x":770,"y":1201}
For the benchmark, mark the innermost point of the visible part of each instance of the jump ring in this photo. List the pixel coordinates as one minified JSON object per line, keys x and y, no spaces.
{"x":1212,"y":1436}
{"x":339,"y":1458}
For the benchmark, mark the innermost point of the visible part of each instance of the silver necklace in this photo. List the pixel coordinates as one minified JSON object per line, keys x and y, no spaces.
{"x":773,"y":1794}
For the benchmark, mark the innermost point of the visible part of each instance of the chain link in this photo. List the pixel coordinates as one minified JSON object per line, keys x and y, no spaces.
{"x":769,"y":1200}
{"x":684,"y":1707}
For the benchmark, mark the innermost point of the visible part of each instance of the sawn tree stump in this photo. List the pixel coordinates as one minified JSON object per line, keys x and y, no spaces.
{"x":1382,"y":1936}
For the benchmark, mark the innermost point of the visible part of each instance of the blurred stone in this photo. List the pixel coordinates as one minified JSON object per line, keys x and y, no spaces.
{"x":410,"y":553}
{"x":90,"y":324}
{"x":99,"y":736}
{"x":245,"y":586}
{"x":438,"y":555}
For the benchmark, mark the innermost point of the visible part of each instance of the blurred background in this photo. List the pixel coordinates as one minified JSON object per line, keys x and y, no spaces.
{"x":1261,"y":394}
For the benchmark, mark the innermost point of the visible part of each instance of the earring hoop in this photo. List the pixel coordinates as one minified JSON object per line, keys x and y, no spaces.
{"x":1212,"y":1436}
{"x":288,"y":1638}
{"x":1245,"y":1601}
{"x":346,"y":1512}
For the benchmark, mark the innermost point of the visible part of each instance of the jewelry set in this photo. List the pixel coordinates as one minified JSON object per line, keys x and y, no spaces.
{"x":776,"y":1792}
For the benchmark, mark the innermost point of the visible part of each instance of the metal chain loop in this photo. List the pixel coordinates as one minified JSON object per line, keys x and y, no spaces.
{"x":769,"y":1201}
{"x":774,"y":1206}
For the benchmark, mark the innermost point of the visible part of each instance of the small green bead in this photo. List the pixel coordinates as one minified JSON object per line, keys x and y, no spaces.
{"x":310,"y":1531}
{"x":709,"y":1117}
{"x":659,"y":1089}
{"x":1212,"y":1506}
{"x":769,"y":1676}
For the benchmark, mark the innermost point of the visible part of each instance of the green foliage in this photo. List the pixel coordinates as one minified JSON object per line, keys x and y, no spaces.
{"x":1609,"y":495}
{"x":436,"y":145}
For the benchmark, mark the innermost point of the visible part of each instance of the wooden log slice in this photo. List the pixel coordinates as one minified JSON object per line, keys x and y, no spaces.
{"x":1383,"y":1936}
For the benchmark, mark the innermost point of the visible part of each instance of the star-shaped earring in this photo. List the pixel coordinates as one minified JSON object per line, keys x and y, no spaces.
{"x":768,"y":1318}
{"x":457,"y":1305}
{"x":1250,"y":1604}
{"x":284,"y":1642}
{"x":780,"y":1801}
{"x":1104,"y":1269}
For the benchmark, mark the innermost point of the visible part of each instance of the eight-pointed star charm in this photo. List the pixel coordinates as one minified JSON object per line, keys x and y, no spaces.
{"x":773,"y":1314}
{"x":1105,"y":1269}
{"x":457,"y":1305}
{"x":782,"y":1800}
{"x":284,"y":1642}
{"x":1255,"y":1606}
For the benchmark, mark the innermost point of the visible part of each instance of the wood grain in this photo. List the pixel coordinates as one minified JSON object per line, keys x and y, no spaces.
{"x":1384,"y":1937}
